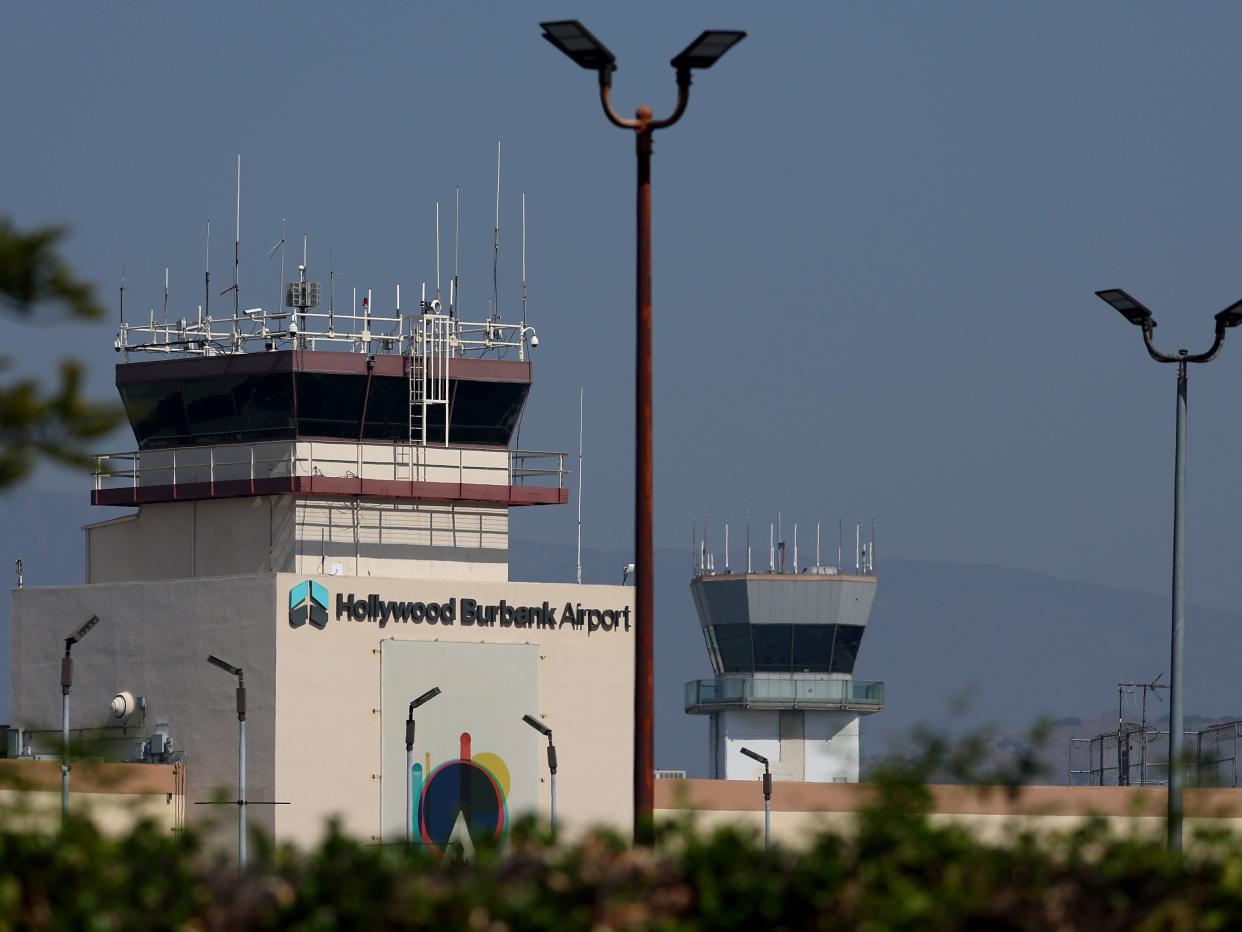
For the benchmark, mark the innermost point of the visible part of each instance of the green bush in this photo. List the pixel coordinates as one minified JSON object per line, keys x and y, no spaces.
{"x":897,"y":871}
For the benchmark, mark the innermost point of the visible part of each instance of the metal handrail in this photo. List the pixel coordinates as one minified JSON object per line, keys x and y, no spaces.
{"x":261,"y":460}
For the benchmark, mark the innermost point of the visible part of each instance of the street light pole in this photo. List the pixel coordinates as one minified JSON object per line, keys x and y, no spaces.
{"x":241,"y":753}
{"x":409,"y":761}
{"x":547,"y":733}
{"x":767,"y":796}
{"x":572,"y":38}
{"x":66,"y":685}
{"x":1141,"y":316}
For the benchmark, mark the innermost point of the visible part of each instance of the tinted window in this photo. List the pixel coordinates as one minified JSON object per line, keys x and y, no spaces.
{"x":812,"y":648}
{"x":330,"y":405}
{"x":845,"y":648}
{"x":486,"y":412}
{"x":733,"y":645}
{"x":773,"y":647}
{"x":264,"y":406}
{"x":388,"y":410}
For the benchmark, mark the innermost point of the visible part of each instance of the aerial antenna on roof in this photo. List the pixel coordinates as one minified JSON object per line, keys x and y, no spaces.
{"x":454,"y":284}
{"x":579,"y":485}
{"x":236,"y":257}
{"x":280,"y":292}
{"x":331,"y":292}
{"x":496,"y":243}
{"x":207,"y":274}
{"x":165,"y":304}
{"x":817,"y":563}
{"x":726,"y":545}
{"x":437,"y":250}
{"x":771,"y":549}
{"x":795,"y":546}
{"x":748,"y":542}
{"x":121,"y":297}
{"x":522,"y":337}
{"x":840,"y":537}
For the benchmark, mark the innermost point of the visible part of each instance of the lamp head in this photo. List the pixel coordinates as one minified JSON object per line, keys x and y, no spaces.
{"x":81,"y":632}
{"x":586,"y":51}
{"x":226,"y":667}
{"x":755,"y":757}
{"x":537,"y":725}
{"x":707,"y":49}
{"x":425,"y":697}
{"x":1127,"y":307}
{"x":1230,"y":316}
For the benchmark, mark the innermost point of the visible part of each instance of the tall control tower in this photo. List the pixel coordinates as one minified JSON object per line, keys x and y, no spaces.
{"x":320,"y":496}
{"x":782,"y":643}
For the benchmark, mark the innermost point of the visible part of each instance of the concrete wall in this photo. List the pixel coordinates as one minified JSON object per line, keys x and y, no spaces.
{"x":115,"y":797}
{"x":329,"y":708}
{"x":184,"y":540}
{"x":802,"y":810}
{"x":153,"y":639}
{"x":801,"y":745}
{"x":278,"y":533}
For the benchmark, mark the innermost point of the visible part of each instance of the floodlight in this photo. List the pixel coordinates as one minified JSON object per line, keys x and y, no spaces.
{"x":576,"y":41}
{"x":1230,"y":316}
{"x":755,"y":757}
{"x":707,"y":49}
{"x":1125,"y":305}
{"x":81,"y":632}
{"x":537,"y":725}
{"x":226,"y":667}
{"x":425,"y":697}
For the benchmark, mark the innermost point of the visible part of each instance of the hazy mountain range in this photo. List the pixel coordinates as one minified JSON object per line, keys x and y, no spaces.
{"x":957,"y":645}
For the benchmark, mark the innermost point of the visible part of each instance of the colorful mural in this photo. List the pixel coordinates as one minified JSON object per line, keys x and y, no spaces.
{"x":462,"y":801}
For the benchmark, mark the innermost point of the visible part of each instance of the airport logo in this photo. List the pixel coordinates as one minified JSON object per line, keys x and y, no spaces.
{"x":308,"y":601}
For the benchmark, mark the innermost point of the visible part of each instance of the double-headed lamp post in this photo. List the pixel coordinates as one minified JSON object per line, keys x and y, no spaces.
{"x":409,"y":760}
{"x":547,"y":733}
{"x":66,"y":685}
{"x":1140,"y":316}
{"x":767,"y":796}
{"x":572,"y":38}
{"x":241,"y":752}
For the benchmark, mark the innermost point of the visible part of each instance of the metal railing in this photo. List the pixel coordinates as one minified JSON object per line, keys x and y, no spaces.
{"x":397,"y":462}
{"x":784,"y":692}
{"x":1135,"y":756}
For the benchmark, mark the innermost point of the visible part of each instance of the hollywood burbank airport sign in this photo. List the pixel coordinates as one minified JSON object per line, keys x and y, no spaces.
{"x":308,"y":602}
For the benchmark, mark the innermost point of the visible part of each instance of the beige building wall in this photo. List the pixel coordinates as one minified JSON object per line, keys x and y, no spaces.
{"x":153,"y":639}
{"x":278,"y":533}
{"x":116,"y":797}
{"x":314,"y":704}
{"x":329,"y":698}
{"x":800,"y":811}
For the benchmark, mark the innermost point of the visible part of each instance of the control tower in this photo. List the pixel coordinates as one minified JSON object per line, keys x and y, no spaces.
{"x":782,"y":643}
{"x":320,"y":496}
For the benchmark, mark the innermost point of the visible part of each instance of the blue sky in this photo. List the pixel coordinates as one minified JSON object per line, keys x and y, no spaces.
{"x":877,"y":234}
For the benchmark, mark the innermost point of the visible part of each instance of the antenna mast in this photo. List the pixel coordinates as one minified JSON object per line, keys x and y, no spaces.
{"x":207,"y":275}
{"x":437,"y":250}
{"x":496,"y":243}
{"x":455,"y":285}
{"x":579,"y":485}
{"x":122,"y":294}
{"x":237,"y":250}
{"x":748,"y":542}
{"x":165,"y":303}
{"x":522,"y":338}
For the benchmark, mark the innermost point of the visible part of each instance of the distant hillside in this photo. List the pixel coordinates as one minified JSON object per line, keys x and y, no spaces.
{"x":957,"y":645}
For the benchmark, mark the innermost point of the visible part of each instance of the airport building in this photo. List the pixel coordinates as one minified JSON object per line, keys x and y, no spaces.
{"x":320,"y":500}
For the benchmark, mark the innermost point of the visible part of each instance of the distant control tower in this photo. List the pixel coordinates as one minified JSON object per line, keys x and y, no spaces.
{"x":782,"y":643}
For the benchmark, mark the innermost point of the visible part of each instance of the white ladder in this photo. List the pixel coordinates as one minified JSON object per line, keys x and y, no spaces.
{"x":428,"y":369}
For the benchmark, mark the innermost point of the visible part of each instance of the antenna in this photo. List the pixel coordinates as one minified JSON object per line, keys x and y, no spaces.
{"x":331,"y":291}
{"x":237,"y":251}
{"x":795,"y":547}
{"x":726,"y":545}
{"x":523,"y":337}
{"x":280,"y":292}
{"x":496,"y":242}
{"x":871,"y":551}
{"x":121,"y":300}
{"x":165,"y":303}
{"x":817,"y":563}
{"x":857,"y":547}
{"x":840,"y":537}
{"x":305,"y":240}
{"x":455,"y":286}
{"x":771,"y":549}
{"x":748,"y":542}
{"x":207,"y":274}
{"x":579,"y":485}
{"x":437,"y":250}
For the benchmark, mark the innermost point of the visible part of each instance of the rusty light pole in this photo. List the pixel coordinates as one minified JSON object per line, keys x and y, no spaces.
{"x":572,"y":38}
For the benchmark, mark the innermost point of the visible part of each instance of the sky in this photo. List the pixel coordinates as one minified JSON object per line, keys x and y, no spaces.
{"x":878,"y":229}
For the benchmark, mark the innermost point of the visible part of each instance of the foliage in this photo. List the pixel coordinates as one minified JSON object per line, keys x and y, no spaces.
{"x":898,"y":870}
{"x":35,"y":420}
